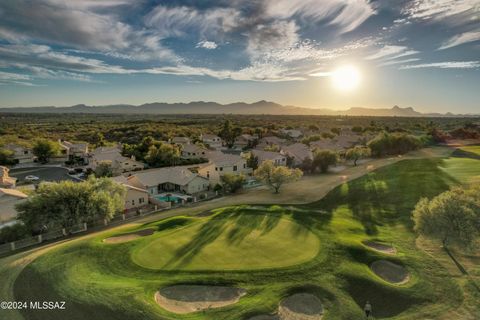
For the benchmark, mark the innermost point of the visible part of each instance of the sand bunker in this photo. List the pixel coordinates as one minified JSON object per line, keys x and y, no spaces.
{"x":390,"y":272}
{"x":191,"y":298}
{"x":300,"y":306}
{"x":384,"y":248}
{"x":129,"y":236}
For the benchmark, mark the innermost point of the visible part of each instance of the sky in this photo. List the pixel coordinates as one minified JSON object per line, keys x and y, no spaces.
{"x":423,"y":54}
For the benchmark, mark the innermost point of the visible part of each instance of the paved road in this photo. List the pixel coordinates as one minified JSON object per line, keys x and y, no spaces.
{"x":44,"y":173}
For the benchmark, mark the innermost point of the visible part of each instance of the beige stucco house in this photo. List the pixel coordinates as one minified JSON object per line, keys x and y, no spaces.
{"x":170,"y":179}
{"x":193,"y":151}
{"x":277,"y":158}
{"x":112,"y":156}
{"x":298,"y":151}
{"x":70,"y":150}
{"x":221,"y":163}
{"x":135,"y":198}
{"x":21,"y":154}
{"x":8,"y":199}
{"x":213,"y":141}
{"x":5,"y":180}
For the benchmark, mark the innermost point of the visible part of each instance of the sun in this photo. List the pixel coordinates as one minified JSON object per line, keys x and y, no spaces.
{"x":346,"y":78}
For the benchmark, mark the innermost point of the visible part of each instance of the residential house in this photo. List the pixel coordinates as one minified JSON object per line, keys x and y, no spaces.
{"x":271,"y":141}
{"x":221,"y":163}
{"x":192,"y":151}
{"x":245,"y":140}
{"x":180,"y":140}
{"x":339,"y":143}
{"x":135,"y":198}
{"x":171,"y":179}
{"x":212,"y":141}
{"x":292,"y":133}
{"x":8,"y":199}
{"x":346,"y":141}
{"x":276,"y":157}
{"x":298,"y":152}
{"x":21,"y":154}
{"x":5,"y":180}
{"x":119,"y":163}
{"x":328,"y":144}
{"x":73,"y":150}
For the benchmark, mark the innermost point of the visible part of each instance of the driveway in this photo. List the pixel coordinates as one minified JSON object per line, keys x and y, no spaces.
{"x":44,"y":173}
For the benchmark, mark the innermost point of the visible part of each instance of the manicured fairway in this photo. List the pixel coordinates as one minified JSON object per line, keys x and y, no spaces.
{"x":472,"y":149}
{"x":463,"y":169}
{"x":240,"y":242}
{"x":272,"y":252}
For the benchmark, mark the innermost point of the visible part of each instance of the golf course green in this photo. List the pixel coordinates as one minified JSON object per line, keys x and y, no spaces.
{"x":269,"y":252}
{"x":243,"y":240}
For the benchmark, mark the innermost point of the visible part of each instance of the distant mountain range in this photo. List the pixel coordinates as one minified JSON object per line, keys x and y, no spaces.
{"x":201,"y":107}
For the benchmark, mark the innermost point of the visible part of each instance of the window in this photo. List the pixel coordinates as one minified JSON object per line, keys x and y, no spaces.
{"x":133,"y":202}
{"x":208,"y":174}
{"x":234,"y":168}
{"x":221,"y":168}
{"x":244,"y":165}
{"x":141,"y":200}
{"x":216,"y":169}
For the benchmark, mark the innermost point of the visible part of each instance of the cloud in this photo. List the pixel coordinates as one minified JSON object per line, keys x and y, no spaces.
{"x":461,"y":39}
{"x":176,"y":21}
{"x":445,"y":65}
{"x":267,"y":37}
{"x":391,"y":52}
{"x":76,"y":24}
{"x":210,"y":45}
{"x":347,"y":14}
{"x":441,"y":9}
{"x":394,"y":62}
{"x":9,"y":78}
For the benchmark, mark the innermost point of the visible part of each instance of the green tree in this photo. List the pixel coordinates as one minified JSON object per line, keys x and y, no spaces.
{"x":452,"y":217}
{"x":274,"y":176}
{"x":252,"y":162}
{"x":45,"y":149}
{"x":336,"y":131}
{"x":68,"y":203}
{"x":357,"y":153}
{"x":97,"y":139}
{"x":323,"y":159}
{"x":307,"y":165}
{"x":104,"y":169}
{"x":393,"y":143}
{"x":232,"y":182}
{"x":229,"y":133}
{"x":6,"y":157}
{"x":162,"y":154}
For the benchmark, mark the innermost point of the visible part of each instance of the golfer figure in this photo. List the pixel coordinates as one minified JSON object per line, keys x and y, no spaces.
{"x":368,"y":309}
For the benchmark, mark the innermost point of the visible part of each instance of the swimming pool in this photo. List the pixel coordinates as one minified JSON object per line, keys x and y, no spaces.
{"x":168,"y":198}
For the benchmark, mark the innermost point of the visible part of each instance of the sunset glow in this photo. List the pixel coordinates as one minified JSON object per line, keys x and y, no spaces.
{"x":346,"y":78}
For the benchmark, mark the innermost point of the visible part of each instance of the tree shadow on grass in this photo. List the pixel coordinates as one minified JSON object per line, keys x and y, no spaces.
{"x":459,"y":153}
{"x":238,"y":221}
{"x":389,"y":194}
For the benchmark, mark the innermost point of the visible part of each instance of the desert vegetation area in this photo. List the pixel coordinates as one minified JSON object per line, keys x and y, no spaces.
{"x":316,"y":240}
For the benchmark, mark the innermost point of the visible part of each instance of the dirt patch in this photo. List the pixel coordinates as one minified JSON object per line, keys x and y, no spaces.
{"x":390,"y":272}
{"x":300,"y":306}
{"x":384,"y":248}
{"x":191,"y":298}
{"x":129,"y":236}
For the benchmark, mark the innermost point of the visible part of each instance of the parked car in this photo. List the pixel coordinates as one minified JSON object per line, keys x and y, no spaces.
{"x":32,"y":178}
